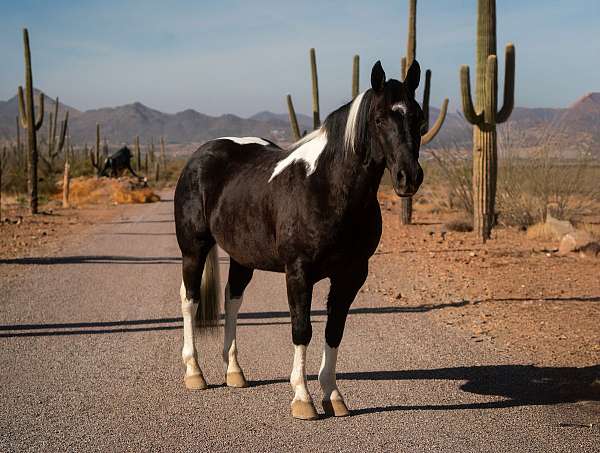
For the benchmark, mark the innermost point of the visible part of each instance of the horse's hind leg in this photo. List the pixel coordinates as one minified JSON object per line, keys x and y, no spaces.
{"x":344,"y":286}
{"x":193,"y":266}
{"x":239,"y":277}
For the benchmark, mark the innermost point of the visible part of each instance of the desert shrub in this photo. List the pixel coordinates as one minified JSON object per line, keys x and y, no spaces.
{"x":451,"y":173}
{"x":459,"y":225}
{"x":543,"y":182}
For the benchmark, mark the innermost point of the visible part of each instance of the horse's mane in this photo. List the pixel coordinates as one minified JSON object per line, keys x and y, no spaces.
{"x":345,"y":128}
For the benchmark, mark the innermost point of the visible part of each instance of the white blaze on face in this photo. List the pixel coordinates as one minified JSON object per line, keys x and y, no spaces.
{"x":298,"y":376}
{"x":327,"y":374}
{"x":246,"y":140}
{"x":308,"y":153}
{"x":400,"y":107}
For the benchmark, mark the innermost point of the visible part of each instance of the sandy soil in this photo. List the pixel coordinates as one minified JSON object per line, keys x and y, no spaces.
{"x":513,"y":292}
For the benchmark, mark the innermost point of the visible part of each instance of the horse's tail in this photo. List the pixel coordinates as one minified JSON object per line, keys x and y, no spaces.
{"x":207,"y":314}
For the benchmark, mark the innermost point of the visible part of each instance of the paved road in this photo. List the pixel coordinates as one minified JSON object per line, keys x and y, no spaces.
{"x":90,"y":352}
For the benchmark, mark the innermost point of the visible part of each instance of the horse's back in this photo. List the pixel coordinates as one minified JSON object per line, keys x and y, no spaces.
{"x":220,"y":188}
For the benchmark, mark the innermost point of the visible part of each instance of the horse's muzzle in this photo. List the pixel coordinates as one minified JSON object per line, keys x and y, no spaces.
{"x":407,"y":183}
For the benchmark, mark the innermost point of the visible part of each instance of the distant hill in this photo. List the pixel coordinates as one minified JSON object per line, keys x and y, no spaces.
{"x":575,"y":128}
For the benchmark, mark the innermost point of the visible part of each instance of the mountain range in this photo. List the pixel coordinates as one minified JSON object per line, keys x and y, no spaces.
{"x":573,"y":129}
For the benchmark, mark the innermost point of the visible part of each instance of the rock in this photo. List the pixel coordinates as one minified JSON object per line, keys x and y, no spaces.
{"x":558,"y":228}
{"x":573,"y":241}
{"x":591,"y":250}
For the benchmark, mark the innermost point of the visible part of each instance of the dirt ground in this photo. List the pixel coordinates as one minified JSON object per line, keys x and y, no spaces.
{"x":513,"y":292}
{"x":516,"y":293}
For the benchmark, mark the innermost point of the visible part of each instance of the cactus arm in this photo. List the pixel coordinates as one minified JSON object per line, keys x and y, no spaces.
{"x":431,"y":133}
{"x":53,"y":125}
{"x":22,"y":111}
{"x":491,"y":90}
{"x":425,"y":105}
{"x":411,"y":44}
{"x":467,"y":100}
{"x":40,"y":118}
{"x":293,"y":118}
{"x":509,"y":85}
{"x":355,"y":76}
{"x":63,"y":132}
{"x":402,"y":68}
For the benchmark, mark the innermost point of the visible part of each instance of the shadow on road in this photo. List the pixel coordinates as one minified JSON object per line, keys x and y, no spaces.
{"x":521,"y":385}
{"x":126,"y":222}
{"x":94,"y":259}
{"x":133,"y":234}
{"x":543,"y":299}
{"x":107,"y":327}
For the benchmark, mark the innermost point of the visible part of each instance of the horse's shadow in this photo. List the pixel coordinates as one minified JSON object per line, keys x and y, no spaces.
{"x":519,"y":385}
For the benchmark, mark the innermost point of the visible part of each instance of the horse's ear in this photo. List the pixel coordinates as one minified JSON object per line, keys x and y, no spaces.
{"x":413,"y":76}
{"x":377,"y":77}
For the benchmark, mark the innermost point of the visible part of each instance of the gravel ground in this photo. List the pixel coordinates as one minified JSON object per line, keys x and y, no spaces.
{"x":90,"y":352}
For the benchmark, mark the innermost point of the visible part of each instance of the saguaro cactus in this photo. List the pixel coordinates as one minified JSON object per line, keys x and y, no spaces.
{"x":138,"y":154}
{"x":355,"y":75}
{"x":293,"y":118}
{"x":95,"y":153}
{"x":66,"y":178}
{"x":428,"y":134}
{"x":315,"y":90}
{"x":483,"y":114}
{"x":163,"y":154}
{"x":54,"y":147}
{"x":31,"y":123}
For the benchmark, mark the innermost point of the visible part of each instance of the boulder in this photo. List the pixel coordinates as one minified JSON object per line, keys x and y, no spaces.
{"x":574,"y":241}
{"x":558,"y":228}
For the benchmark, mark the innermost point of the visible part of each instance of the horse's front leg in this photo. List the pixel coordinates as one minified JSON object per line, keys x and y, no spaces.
{"x":344,"y":286}
{"x":299,"y":289}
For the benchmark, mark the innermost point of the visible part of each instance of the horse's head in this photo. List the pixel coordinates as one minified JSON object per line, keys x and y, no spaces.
{"x":396,"y":121}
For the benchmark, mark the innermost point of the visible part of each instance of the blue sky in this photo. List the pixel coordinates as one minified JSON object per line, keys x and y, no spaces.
{"x":245,"y":56}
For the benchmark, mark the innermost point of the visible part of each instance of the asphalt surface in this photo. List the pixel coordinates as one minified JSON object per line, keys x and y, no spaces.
{"x":90,"y":345}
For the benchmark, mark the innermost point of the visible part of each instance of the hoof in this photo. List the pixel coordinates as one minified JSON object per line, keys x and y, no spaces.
{"x":304,"y":410}
{"x":236,"y":379}
{"x":195,"y":382}
{"x":335,"y":408}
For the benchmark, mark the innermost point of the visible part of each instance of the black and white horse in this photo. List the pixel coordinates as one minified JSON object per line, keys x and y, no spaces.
{"x":310,"y":211}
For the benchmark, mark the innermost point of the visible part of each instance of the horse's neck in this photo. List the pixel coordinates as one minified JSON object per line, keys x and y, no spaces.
{"x":353,"y":184}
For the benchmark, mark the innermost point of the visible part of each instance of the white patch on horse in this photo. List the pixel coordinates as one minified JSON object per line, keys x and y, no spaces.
{"x":232,"y":307}
{"x":400,"y":107}
{"x":298,"y":376}
{"x":327,"y":374}
{"x":246,"y":140}
{"x":350,"y":130}
{"x":188,"y":353}
{"x":308,"y":151}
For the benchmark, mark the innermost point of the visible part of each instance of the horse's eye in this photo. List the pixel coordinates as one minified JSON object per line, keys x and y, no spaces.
{"x":379,"y":121}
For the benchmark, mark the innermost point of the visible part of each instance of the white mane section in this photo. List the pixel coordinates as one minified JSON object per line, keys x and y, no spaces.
{"x":350,"y":131}
{"x":308,"y":150}
{"x":245,"y":140}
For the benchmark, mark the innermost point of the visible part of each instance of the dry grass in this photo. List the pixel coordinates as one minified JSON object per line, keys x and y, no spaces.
{"x":540,"y":231}
{"x":88,"y":191}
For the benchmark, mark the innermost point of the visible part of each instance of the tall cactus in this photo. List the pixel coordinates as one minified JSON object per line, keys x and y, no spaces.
{"x":32,"y":124}
{"x":163,"y":153}
{"x":95,"y":153}
{"x":315,"y":90}
{"x":293,"y":118}
{"x":138,"y":154}
{"x":483,"y":115}
{"x":355,"y":76}
{"x":54,"y":147}
{"x":427,"y":134}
